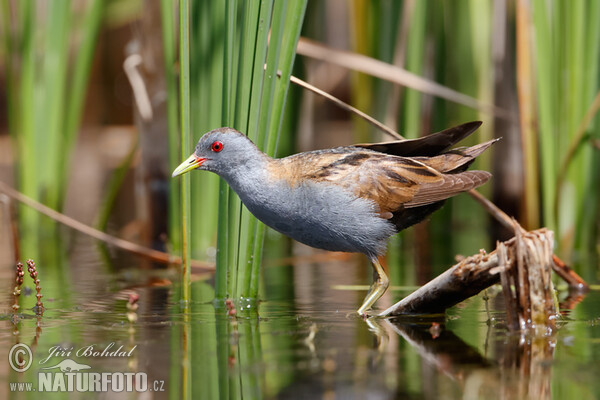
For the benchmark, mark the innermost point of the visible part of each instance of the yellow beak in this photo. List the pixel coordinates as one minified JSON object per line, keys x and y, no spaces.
{"x":191,"y":163}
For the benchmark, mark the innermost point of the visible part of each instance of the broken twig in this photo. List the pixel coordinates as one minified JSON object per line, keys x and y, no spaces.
{"x":475,"y":273}
{"x":526,"y":281}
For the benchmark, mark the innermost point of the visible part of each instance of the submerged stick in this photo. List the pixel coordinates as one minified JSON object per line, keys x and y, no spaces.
{"x":458,"y":283}
{"x":123,"y":244}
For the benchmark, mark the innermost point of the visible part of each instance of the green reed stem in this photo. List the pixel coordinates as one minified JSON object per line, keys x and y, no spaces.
{"x":255,"y":229}
{"x":184,"y":101}
{"x":224,"y":285}
{"x":25,"y":135}
{"x":113,"y":187}
{"x":51,"y":107}
{"x":45,"y":92}
{"x":169,"y":58}
{"x":547,"y":96}
{"x":206,"y":98}
{"x":228,"y":110}
{"x":90,"y":27}
{"x":292,"y":21}
{"x":414,"y":63}
{"x":254,"y":119}
{"x":246,"y":101}
{"x":248,"y":52}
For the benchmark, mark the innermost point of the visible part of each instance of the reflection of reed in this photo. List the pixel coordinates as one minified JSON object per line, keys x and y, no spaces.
{"x":525,"y":366}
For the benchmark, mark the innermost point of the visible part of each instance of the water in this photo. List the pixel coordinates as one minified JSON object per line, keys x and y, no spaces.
{"x":303,"y":342}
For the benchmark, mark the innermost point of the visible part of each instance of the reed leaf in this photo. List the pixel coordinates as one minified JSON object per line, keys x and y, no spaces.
{"x":289,"y":39}
{"x":257,"y":39}
{"x":46,"y":92}
{"x":566,"y":71}
{"x":169,"y":59}
{"x":184,"y":109}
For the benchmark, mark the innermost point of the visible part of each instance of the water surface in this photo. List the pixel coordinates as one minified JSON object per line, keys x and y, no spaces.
{"x":303,"y":341}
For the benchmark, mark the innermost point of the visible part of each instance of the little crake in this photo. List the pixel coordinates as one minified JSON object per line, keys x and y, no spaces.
{"x":347,"y":198}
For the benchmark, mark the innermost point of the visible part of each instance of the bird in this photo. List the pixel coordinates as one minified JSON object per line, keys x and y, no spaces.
{"x":350,"y":198}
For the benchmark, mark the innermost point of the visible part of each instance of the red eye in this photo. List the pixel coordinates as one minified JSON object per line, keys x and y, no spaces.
{"x":216,"y":146}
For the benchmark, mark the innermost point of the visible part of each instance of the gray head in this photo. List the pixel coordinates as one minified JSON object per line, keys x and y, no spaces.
{"x":223,"y":151}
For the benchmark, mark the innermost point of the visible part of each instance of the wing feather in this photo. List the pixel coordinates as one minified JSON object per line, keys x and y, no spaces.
{"x":392,"y":183}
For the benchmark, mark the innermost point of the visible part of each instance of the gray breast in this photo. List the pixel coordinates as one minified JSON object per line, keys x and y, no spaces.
{"x":321,"y":215}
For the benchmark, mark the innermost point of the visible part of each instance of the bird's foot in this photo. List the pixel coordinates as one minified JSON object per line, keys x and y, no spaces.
{"x":362,"y":315}
{"x":376,"y":291}
{"x":368,"y":314}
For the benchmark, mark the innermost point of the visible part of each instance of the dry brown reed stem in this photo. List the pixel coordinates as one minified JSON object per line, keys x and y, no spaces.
{"x":346,"y":106}
{"x":564,"y":271}
{"x":134,"y":248}
{"x":526,"y":281}
{"x":395,"y":74}
{"x":527,"y":112}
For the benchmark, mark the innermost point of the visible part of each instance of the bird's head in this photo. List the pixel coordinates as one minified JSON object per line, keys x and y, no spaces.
{"x":221,"y":150}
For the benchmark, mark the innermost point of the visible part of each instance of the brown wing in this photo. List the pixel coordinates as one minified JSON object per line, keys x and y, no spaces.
{"x":405,"y":189}
{"x":430,"y":145}
{"x":394,"y":183}
{"x":451,"y":185}
{"x":391,"y":182}
{"x":456,"y":160}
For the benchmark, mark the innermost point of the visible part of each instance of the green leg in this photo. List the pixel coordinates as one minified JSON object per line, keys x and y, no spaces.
{"x":377,"y":289}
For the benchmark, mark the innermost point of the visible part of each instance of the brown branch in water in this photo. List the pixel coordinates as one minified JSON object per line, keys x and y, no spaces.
{"x":458,"y":283}
{"x":126,"y":245}
{"x":526,"y":259}
{"x":568,"y":275}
